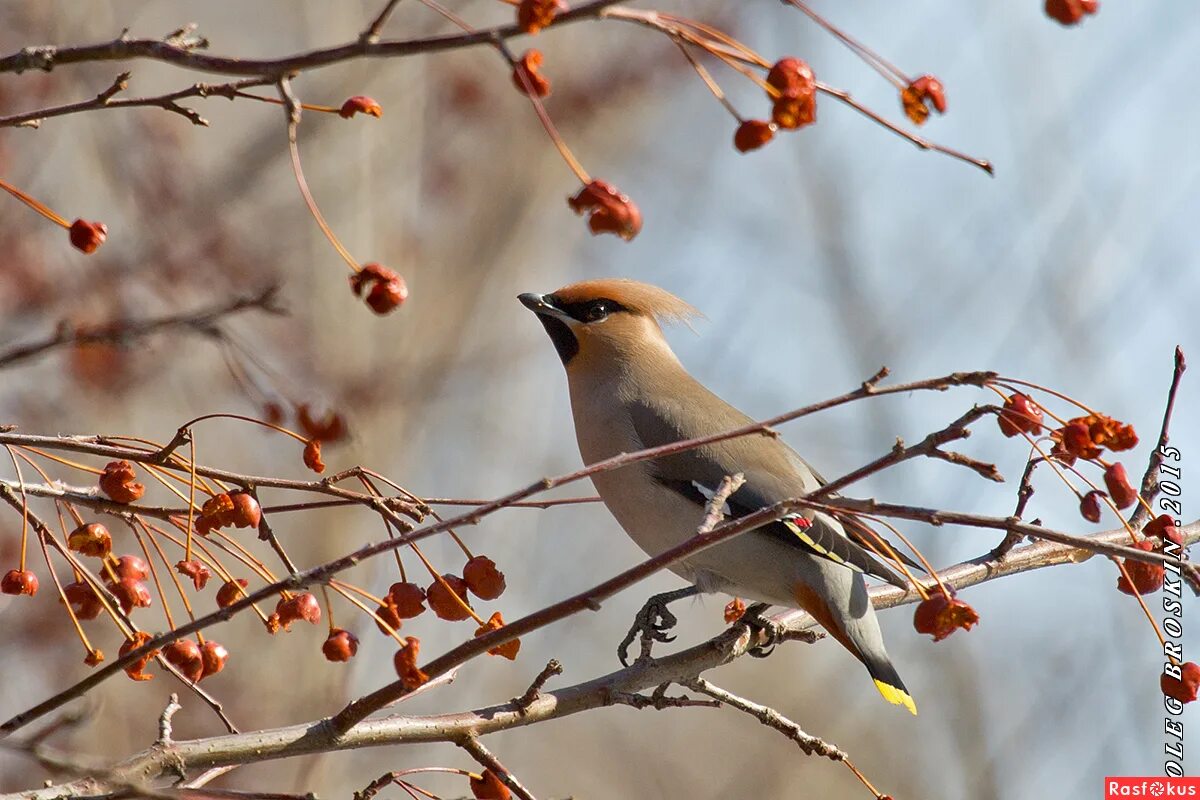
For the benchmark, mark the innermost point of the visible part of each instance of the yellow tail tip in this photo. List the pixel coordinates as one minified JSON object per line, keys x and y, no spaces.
{"x":895,"y":696}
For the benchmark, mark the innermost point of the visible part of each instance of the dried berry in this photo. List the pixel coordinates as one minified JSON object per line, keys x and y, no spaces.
{"x":230,"y":592}
{"x":1181,"y":681}
{"x":1117,"y":482}
{"x":533,"y":15}
{"x":1075,"y":441}
{"x":87,"y":236}
{"x":185,"y":656}
{"x":1069,"y":12}
{"x":793,"y":113}
{"x":608,"y":210}
{"x":17,"y":581}
{"x":1163,"y":527}
{"x":118,"y":481}
{"x":752,"y":134}
{"x":360,"y":104}
{"x":940,"y":616}
{"x":132,"y":567}
{"x":1146,"y":578}
{"x":483,"y":579}
{"x":1020,"y":415}
{"x":342,"y":645}
{"x":196,"y":571}
{"x":387,"y":289}
{"x":303,"y":606}
{"x":83,"y":600}
{"x":922,"y":94}
{"x":405,"y":662}
{"x":92,"y":539}
{"x":488,"y":786}
{"x":1089,"y":506}
{"x":213,"y":656}
{"x":131,"y":594}
{"x":387,"y":615}
{"x":509,"y":649}
{"x":448,"y":598}
{"x":734,"y":610}
{"x":312,"y":456}
{"x":137,"y":670}
{"x":525,"y":75}
{"x":407,"y":598}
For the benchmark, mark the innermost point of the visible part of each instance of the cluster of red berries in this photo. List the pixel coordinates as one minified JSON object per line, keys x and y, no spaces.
{"x":792,"y":89}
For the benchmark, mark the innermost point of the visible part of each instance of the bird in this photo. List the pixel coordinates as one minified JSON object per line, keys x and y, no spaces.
{"x":628,"y":392}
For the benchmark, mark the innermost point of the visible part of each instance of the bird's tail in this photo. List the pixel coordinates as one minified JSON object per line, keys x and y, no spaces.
{"x":888,"y":682}
{"x":850,"y":620}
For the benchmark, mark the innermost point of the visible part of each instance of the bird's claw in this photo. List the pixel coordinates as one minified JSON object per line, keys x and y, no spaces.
{"x":651,"y":625}
{"x":760,"y":625}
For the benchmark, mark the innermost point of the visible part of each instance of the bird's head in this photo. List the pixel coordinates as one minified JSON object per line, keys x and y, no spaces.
{"x":611,"y":319}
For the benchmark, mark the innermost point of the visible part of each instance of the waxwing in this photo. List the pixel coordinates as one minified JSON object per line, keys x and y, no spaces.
{"x":630,"y":392}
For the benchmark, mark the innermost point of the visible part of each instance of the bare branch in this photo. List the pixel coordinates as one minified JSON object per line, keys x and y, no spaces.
{"x":203,"y":320}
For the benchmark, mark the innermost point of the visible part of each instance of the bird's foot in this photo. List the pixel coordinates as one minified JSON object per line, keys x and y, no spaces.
{"x":761,"y":626}
{"x":652,"y":623}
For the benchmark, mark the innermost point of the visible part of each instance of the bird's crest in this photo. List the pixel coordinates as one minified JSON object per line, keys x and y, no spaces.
{"x":640,"y":298}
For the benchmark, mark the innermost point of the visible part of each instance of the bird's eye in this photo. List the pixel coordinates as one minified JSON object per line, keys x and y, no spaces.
{"x":596,"y":311}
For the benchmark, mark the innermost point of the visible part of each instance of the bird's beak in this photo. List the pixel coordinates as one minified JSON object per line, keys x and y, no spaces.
{"x":538,"y":305}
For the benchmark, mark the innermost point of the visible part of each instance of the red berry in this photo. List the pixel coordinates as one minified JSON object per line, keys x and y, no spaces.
{"x":230,"y":592}
{"x":130,"y":594}
{"x":1184,"y":688}
{"x":18,"y":582}
{"x":1117,"y":482}
{"x":92,"y":539}
{"x":940,"y":616}
{"x":87,"y":236}
{"x":302,"y":606}
{"x":407,"y":598}
{"x":213,"y":656}
{"x":442,"y":600}
{"x":1146,"y":577}
{"x":132,"y":567}
{"x":342,"y":645}
{"x":118,"y":481}
{"x":1020,"y":415}
{"x":186,"y":657}
{"x":1089,"y":506}
{"x":483,"y":579}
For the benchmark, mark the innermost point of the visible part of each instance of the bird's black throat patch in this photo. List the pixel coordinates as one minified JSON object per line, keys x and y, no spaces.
{"x":564,"y":341}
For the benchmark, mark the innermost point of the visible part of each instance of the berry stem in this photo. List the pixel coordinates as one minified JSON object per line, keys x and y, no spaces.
{"x":24,"y":506}
{"x":44,"y":210}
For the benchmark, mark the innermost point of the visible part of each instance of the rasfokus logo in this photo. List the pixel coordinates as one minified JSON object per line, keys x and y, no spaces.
{"x":1151,"y":787}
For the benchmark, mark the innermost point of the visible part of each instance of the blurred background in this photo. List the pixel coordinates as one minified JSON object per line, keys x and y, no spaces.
{"x":818,"y":259}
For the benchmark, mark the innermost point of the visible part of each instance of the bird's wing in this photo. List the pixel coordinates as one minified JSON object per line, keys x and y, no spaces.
{"x":773,"y":472}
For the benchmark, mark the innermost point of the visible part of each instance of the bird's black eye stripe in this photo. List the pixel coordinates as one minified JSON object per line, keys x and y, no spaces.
{"x":590,"y":310}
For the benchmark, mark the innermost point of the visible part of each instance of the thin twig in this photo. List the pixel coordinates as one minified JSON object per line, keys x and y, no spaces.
{"x":202,"y":320}
{"x":1150,"y":480}
{"x":472,"y":745}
